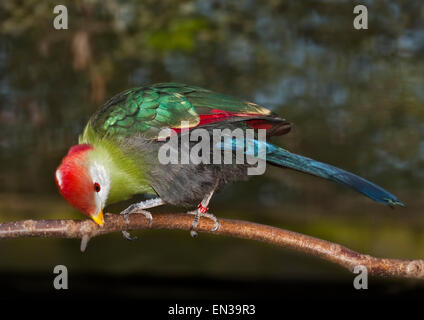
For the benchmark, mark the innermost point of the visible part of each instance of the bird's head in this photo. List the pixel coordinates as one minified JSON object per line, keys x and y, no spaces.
{"x":84,"y":182}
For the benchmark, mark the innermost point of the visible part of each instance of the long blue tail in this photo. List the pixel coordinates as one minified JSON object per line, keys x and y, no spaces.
{"x":278,"y":156}
{"x":281,"y":157}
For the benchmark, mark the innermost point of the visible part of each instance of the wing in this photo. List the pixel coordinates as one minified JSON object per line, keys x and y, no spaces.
{"x":147,"y":110}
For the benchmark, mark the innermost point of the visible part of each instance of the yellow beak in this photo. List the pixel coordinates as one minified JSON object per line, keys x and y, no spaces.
{"x":98,"y":218}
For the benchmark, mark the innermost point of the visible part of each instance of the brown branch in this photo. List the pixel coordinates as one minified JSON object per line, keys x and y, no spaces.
{"x":86,"y":229}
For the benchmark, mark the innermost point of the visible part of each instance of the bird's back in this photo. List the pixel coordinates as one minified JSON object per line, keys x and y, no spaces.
{"x":147,"y":110}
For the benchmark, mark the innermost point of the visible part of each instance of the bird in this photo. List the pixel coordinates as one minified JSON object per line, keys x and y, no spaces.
{"x":117,"y":153}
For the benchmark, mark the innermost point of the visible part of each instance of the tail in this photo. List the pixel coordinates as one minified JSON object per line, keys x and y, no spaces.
{"x":280,"y":157}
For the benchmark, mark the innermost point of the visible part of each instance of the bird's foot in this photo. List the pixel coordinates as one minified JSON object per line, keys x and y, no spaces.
{"x":202,"y":212}
{"x":134,"y":208}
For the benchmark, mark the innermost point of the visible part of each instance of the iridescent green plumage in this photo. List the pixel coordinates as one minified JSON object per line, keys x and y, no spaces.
{"x":146,"y":110}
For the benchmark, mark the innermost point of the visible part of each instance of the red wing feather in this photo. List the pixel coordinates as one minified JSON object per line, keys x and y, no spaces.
{"x":275,"y":126}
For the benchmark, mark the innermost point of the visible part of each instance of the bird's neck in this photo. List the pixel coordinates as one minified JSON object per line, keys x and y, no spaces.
{"x":126,"y":178}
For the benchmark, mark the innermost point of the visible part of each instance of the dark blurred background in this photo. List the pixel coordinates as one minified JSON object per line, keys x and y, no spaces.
{"x":356,"y":98}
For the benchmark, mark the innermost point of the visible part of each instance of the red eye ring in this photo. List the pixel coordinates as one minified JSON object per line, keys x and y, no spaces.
{"x":96,"y":187}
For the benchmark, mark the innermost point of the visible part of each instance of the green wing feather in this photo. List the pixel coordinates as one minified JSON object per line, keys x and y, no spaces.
{"x":147,"y":110}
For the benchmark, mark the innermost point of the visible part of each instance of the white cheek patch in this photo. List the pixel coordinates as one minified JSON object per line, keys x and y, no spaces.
{"x":59,"y":178}
{"x":99,"y":174}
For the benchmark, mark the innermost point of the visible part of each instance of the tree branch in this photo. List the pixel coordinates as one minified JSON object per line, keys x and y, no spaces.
{"x":338,"y":254}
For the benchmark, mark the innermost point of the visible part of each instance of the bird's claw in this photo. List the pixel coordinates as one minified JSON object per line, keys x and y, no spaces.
{"x":127,"y":212}
{"x":197,"y":215}
{"x":145,"y":213}
{"x":128,"y":236}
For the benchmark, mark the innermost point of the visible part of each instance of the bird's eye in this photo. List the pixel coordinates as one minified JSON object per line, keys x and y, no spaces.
{"x":96,"y":187}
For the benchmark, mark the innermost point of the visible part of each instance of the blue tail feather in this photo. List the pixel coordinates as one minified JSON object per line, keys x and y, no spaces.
{"x":281,"y":157}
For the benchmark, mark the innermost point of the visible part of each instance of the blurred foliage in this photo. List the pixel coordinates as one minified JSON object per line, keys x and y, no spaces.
{"x":356,"y":98}
{"x":178,"y":36}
